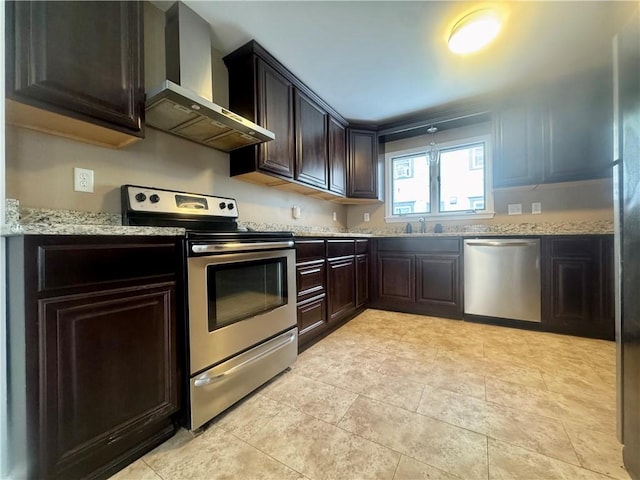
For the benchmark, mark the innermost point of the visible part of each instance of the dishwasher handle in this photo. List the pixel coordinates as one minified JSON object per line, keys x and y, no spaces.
{"x":501,"y":243}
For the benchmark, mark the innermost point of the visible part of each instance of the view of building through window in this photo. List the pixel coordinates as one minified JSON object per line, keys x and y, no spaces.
{"x":459,"y":181}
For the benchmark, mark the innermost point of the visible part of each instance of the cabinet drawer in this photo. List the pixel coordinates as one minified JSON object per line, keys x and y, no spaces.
{"x":63,"y":266}
{"x":310,"y":279}
{"x":574,"y":247}
{"x":362,"y":246}
{"x":340,"y":248}
{"x":312,"y":314}
{"x":309,"y":250}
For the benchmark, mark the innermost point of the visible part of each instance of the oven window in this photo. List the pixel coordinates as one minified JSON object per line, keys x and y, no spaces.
{"x":238,"y":291}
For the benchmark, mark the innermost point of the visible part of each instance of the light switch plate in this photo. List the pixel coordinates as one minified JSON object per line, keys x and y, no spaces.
{"x":514,"y":209}
{"x":367,"y":217}
{"x":536,"y":208}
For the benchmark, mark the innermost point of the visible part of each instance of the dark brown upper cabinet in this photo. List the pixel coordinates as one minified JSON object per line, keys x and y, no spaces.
{"x":518,"y":144}
{"x":362,"y":164}
{"x":76,"y":69}
{"x":312,"y":139}
{"x":337,"y":157}
{"x":559,"y":133}
{"x":578,"y":128}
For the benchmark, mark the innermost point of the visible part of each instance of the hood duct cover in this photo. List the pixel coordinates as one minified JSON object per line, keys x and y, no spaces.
{"x":182,"y":104}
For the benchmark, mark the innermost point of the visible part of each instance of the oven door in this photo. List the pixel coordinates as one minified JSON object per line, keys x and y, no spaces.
{"x":236,"y":301}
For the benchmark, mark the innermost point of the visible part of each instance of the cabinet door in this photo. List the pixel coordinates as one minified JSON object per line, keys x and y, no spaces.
{"x":337,"y":157}
{"x":109,"y":362}
{"x":396,"y":281}
{"x":80,"y":59}
{"x":275,"y":113}
{"x":579,"y":141}
{"x":518,"y":150}
{"x":438,"y":286}
{"x":572,"y":288}
{"x":311,"y":142}
{"x":362,"y":170}
{"x":362,"y":280}
{"x":341,"y":287}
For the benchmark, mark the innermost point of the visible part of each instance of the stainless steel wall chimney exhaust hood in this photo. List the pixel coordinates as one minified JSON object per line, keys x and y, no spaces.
{"x":183,"y":103}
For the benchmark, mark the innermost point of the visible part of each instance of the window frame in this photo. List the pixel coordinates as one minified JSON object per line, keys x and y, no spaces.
{"x":434,"y":189}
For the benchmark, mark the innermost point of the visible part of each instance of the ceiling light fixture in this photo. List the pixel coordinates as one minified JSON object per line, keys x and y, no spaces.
{"x":475,"y":31}
{"x":433,"y":155}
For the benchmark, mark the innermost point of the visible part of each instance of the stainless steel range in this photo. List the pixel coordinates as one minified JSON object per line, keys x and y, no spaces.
{"x":240,"y":296}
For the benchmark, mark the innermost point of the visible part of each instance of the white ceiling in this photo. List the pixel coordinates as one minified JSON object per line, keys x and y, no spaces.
{"x":380,"y":60}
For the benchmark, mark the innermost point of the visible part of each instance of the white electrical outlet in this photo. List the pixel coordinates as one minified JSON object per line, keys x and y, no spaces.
{"x":83,"y":180}
{"x":367,"y":217}
{"x":514,"y":209}
{"x":536,"y":208}
{"x":295,"y":211}
{"x":335,"y":216}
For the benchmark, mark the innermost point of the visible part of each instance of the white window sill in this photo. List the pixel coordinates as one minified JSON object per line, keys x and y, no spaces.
{"x":437,"y":217}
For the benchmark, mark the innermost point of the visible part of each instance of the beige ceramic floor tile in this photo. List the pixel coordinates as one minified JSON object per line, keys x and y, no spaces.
{"x":322,"y":451}
{"x":414,"y":370}
{"x":138,"y":470}
{"x":508,"y":462}
{"x":247,"y":417}
{"x":394,"y":390}
{"x":581,"y":385}
{"x":215,"y":454}
{"x":598,"y":451}
{"x":436,"y":443}
{"x":322,"y":401}
{"x":528,"y":430}
{"x":552,"y":404}
{"x":410,"y":469}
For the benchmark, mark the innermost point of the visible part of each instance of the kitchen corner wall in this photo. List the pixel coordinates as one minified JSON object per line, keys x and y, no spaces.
{"x":39,"y":173}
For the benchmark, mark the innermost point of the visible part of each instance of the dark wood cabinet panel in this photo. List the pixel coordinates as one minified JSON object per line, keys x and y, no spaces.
{"x":78,"y":59}
{"x":340,"y":248}
{"x":362,"y":280}
{"x":311,"y":142}
{"x":362,"y":172}
{"x":579,"y":147}
{"x":438,"y":284}
{"x":518,"y":145}
{"x":341,"y":288}
{"x":310,"y":279}
{"x":337,"y":157}
{"x":396,"y":278}
{"x":85,"y":412}
{"x":275,"y":113}
{"x":312,"y":318}
{"x":577,"y":286}
{"x":100,"y":364}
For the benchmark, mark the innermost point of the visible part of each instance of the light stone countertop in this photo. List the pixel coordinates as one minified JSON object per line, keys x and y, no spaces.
{"x":40,"y":221}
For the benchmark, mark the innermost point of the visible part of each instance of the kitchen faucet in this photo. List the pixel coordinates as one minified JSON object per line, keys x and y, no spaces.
{"x":423,"y":225}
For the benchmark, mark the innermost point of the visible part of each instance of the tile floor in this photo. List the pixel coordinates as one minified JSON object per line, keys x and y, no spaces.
{"x":408,"y":397}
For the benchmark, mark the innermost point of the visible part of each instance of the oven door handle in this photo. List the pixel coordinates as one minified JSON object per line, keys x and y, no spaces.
{"x":237,"y":246}
{"x":204,"y":379}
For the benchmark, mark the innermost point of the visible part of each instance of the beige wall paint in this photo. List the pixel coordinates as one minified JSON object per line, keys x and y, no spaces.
{"x":39,"y":173}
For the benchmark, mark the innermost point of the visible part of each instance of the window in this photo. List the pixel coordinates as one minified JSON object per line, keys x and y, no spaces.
{"x":457,"y":186}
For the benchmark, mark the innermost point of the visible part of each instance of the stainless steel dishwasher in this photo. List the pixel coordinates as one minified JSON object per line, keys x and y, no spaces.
{"x":502,"y":278}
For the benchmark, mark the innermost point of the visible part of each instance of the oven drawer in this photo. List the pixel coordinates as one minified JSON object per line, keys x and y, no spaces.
{"x":310,"y":278}
{"x":216,"y":389}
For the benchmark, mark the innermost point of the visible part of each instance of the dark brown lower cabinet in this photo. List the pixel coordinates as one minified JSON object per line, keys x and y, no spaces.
{"x":577,"y":285}
{"x":341,"y":286}
{"x":93,"y":351}
{"x":332,"y":284}
{"x":419,"y":275}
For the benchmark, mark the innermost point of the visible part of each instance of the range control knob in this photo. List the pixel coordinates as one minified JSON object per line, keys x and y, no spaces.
{"x":222,"y":205}
{"x":154,"y":198}
{"x":141,"y":197}
{"x":230,"y":206}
